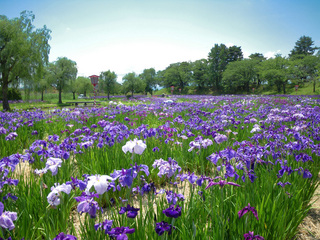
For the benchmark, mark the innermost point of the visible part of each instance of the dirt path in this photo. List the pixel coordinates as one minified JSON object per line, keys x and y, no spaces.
{"x":309,"y":229}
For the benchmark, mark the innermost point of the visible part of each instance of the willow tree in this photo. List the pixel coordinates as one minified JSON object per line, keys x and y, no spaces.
{"x":63,"y":72}
{"x":24,"y":50}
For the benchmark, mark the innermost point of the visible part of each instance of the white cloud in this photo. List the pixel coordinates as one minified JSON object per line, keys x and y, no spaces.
{"x":271,"y":54}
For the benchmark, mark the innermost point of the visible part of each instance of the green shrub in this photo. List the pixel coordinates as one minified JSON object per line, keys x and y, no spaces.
{"x":13,"y":94}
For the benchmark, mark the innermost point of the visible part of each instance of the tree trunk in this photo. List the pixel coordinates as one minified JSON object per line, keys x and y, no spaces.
{"x":60,"y":99}
{"x":42,"y":95}
{"x":5,"y":102}
{"x":74,"y":95}
{"x":314,"y":84}
{"x":108,"y":95}
{"x":284,"y":88}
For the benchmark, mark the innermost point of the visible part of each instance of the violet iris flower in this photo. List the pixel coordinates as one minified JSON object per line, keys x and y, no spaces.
{"x":248,"y":209}
{"x":7,"y":218}
{"x":162,"y":227}
{"x":251,"y":236}
{"x":173,"y":198}
{"x":126,"y":176}
{"x":221,"y":183}
{"x":106,"y":225}
{"x":120,"y":233}
{"x":172,"y":212}
{"x":168,"y":168}
{"x":87,"y":204}
{"x":11,"y":136}
{"x":62,"y":236}
{"x":130,"y":210}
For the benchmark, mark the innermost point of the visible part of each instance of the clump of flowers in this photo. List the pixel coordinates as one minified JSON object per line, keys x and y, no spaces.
{"x":106,"y":226}
{"x":251,"y":236}
{"x":130,"y":210}
{"x":88,"y":204}
{"x":199,"y":142}
{"x":172,"y":211}
{"x":52,"y":164}
{"x":168,"y":168}
{"x":7,"y":218}
{"x":120,"y":233}
{"x":62,"y":236}
{"x":162,"y":227}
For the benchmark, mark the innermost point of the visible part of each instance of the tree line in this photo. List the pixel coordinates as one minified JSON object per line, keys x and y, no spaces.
{"x":24,"y":62}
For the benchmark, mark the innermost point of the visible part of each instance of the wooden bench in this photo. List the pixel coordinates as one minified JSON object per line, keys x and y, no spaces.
{"x":84,"y":103}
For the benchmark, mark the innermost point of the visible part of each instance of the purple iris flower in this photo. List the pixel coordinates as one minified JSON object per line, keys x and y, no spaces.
{"x":7,"y":218}
{"x":248,"y":209}
{"x":172,"y":212}
{"x":162,"y":227}
{"x":106,"y":225}
{"x":120,"y":233}
{"x":77,"y":183}
{"x":87,"y":204}
{"x":62,"y":236}
{"x":35,"y":132}
{"x":251,"y":236}
{"x":168,"y":168}
{"x":173,"y":198}
{"x":11,"y":136}
{"x":221,"y":183}
{"x":219,"y":138}
{"x":130,"y":210}
{"x":283,"y":184}
{"x":126,"y":176}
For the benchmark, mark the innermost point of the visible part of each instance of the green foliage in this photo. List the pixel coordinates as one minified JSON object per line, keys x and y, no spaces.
{"x":218,"y":58}
{"x":239,"y":76}
{"x":201,"y":74}
{"x":62,"y":72}
{"x":23,"y":50}
{"x":178,"y":75}
{"x":304,"y":47}
{"x":13,"y":94}
{"x":148,"y":76}
{"x":107,"y":82}
{"x":275,"y":72}
{"x":84,"y":85}
{"x":132,"y":83}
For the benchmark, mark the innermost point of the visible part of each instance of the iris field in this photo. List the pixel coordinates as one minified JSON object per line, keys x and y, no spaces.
{"x":200,"y":167}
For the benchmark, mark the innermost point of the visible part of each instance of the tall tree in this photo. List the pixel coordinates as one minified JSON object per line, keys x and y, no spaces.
{"x":304,"y":47}
{"x":23,"y":50}
{"x":107,"y":81}
{"x":275,"y":72}
{"x":148,"y":76}
{"x":258,"y":57}
{"x":63,"y":71}
{"x":306,"y":69}
{"x":201,"y":74}
{"x":132,"y":83}
{"x":84,"y":85}
{"x":239,"y":76}
{"x":219,"y":57}
{"x":178,"y":74}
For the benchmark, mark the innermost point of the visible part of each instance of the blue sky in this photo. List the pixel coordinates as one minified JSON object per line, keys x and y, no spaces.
{"x":131,"y":35}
